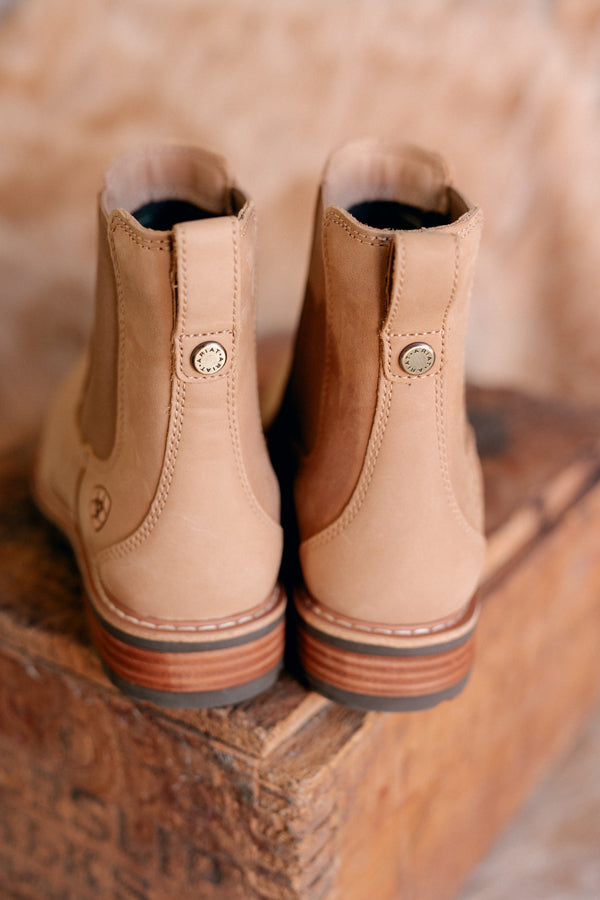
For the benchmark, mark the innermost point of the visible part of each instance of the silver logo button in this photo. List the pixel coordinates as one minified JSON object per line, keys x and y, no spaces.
{"x":209,"y":357}
{"x":416,"y":359}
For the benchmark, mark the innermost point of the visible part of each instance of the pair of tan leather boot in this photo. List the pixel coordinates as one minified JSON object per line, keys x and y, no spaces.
{"x":154,"y":464}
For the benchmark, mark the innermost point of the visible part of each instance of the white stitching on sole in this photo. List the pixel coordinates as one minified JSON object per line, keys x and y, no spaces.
{"x":218,"y":626}
{"x":417,"y":630}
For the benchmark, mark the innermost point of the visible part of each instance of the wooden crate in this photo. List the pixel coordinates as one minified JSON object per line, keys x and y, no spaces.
{"x":291,"y":796}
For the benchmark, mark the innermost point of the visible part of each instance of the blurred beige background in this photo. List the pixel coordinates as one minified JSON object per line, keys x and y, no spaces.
{"x":509,"y":91}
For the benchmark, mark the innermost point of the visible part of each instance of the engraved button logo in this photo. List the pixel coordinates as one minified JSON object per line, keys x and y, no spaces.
{"x":100,"y":504}
{"x":209,"y":357}
{"x":416,"y":359}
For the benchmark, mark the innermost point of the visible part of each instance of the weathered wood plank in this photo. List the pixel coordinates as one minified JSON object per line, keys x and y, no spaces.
{"x":291,"y":797}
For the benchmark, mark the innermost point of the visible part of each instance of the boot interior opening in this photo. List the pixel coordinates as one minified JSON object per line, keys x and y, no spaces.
{"x":392,"y":215}
{"x":165,"y":186}
{"x":395,"y":215}
{"x":162,"y":215}
{"x":388,"y":187}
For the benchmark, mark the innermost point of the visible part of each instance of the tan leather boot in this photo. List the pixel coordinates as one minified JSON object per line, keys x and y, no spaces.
{"x":388,"y":492}
{"x":153,"y":460}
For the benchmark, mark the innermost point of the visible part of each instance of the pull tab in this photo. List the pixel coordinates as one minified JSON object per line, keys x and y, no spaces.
{"x":422,"y":284}
{"x":206,"y":282}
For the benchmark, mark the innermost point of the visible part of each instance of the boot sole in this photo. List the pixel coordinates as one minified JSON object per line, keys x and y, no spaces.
{"x":189,"y":675}
{"x":183,"y":672}
{"x":386,"y":671}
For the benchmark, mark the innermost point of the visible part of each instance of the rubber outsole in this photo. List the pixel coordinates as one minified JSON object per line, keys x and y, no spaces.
{"x":373,"y":703}
{"x":191,"y":674}
{"x":195,"y":699}
{"x":396,"y":673}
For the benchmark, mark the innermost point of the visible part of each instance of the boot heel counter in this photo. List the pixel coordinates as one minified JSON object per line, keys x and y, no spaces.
{"x":401,"y":550}
{"x":205,"y":525}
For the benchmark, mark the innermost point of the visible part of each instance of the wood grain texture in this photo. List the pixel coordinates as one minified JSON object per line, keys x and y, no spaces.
{"x":289,"y":796}
{"x":550,"y":852}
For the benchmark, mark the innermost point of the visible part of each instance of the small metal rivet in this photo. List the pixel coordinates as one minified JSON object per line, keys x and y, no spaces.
{"x":209,"y":357}
{"x":416,"y":359}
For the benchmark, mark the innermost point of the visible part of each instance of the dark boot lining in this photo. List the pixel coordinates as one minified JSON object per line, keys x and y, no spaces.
{"x":398,"y":216}
{"x":162,"y":215}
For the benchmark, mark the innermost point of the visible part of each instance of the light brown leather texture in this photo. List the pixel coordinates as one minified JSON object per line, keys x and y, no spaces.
{"x":162,"y":472}
{"x":388,"y":494}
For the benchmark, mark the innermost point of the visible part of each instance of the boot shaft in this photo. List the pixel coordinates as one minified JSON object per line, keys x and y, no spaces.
{"x":135,"y":299}
{"x":160,"y":294}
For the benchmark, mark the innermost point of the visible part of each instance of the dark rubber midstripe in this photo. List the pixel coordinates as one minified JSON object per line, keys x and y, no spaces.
{"x":196,"y":699}
{"x":379,"y":650}
{"x":369,"y":702}
{"x":185,"y":646}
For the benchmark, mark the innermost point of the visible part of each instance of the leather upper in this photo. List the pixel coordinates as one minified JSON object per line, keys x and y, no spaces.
{"x":174,"y":460}
{"x":388,"y":493}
